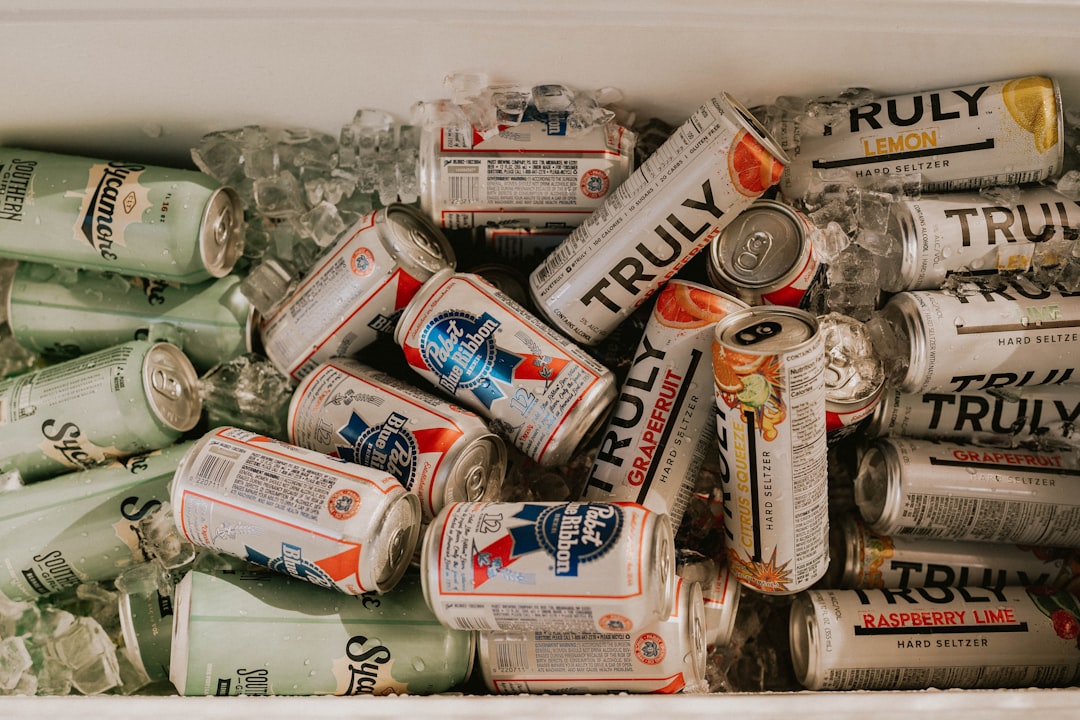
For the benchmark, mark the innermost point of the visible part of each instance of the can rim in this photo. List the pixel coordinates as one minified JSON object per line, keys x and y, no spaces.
{"x":178,"y":406}
{"x":803,"y":642}
{"x":755,"y":126}
{"x":727,"y":323}
{"x":718,"y":268}
{"x":875,"y":425}
{"x":901,"y":312}
{"x":178,"y":656}
{"x":416,"y":304}
{"x":877,"y":505}
{"x":221,"y":231}
{"x":489,"y":450}
{"x":909,"y":244}
{"x":417,"y":244}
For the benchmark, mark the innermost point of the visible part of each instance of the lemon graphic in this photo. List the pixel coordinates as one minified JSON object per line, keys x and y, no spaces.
{"x":1032,"y":104}
{"x":755,"y":391}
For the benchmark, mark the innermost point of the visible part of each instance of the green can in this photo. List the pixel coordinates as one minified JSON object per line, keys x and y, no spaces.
{"x":63,"y":313}
{"x":146,"y":621}
{"x":256,"y":634}
{"x":82,"y":526}
{"x":130,"y":218}
{"x":125,"y":400}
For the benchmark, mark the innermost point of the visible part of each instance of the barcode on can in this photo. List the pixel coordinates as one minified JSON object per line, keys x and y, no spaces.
{"x":464,"y":185}
{"x":213,"y":471}
{"x":511,"y":654}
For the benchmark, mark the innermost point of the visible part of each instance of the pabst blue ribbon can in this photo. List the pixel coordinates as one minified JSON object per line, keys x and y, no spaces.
{"x":439,"y":451}
{"x":297,"y":511}
{"x":667,"y":656}
{"x":712,"y":167}
{"x":356,"y":290}
{"x":125,"y":217}
{"x":535,"y":388}
{"x":587,"y":567}
{"x":769,"y":369}
{"x":662,"y":426}
{"x":244,"y":633}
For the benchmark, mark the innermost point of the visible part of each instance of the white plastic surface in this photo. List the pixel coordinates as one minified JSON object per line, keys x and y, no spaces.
{"x":143,"y":81}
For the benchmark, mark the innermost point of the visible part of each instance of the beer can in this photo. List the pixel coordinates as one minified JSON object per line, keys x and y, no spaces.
{"x":67,"y":313}
{"x":711,"y":168}
{"x":1043,"y":415}
{"x":124,"y":217}
{"x":720,"y":599}
{"x":146,"y":624}
{"x":81,"y":527}
{"x":765,"y":256}
{"x":665,"y":656}
{"x":524,"y":246}
{"x":995,"y":133}
{"x":862,"y":558}
{"x":968,"y":492}
{"x":356,"y":290}
{"x":332,"y":523}
{"x":436,"y":450}
{"x":769,"y":364}
{"x":538,"y":390}
{"x":854,"y":375}
{"x":238,"y":633}
{"x":530,"y":174}
{"x":124,"y":400}
{"x":1009,"y":338}
{"x":510,"y":566}
{"x":920,"y":638}
{"x":939,"y":235}
{"x":661,"y":428}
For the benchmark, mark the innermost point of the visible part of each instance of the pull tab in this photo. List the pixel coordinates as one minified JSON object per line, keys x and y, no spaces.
{"x":755,"y":247}
{"x":166,"y":384}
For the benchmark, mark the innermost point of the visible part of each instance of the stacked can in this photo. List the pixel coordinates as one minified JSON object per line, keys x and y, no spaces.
{"x":146,"y":623}
{"x":437,"y":450}
{"x":125,"y":400}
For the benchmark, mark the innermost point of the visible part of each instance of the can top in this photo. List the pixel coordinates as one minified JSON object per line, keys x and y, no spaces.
{"x":766,"y":329}
{"x":757,"y":129}
{"x":694,"y":640}
{"x":873,"y":484}
{"x":418,"y":246}
{"x":171,"y":386}
{"x":221,"y":234}
{"x":805,"y":644}
{"x":721,"y":599}
{"x":854,"y":373}
{"x":477,"y":472}
{"x":760,"y":246}
{"x":395,"y":542}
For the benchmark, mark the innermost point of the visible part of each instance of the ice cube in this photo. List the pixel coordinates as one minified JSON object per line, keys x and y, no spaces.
{"x":99,"y":674}
{"x":265,"y":285}
{"x":323,"y":222}
{"x":162,"y":539}
{"x":279,"y":196}
{"x":249,"y":392}
{"x":1069,"y":185}
{"x":53,"y":677}
{"x":14,"y":661}
{"x":220,"y":156}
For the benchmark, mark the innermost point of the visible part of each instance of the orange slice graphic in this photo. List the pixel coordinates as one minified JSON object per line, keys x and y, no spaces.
{"x":752,"y":168}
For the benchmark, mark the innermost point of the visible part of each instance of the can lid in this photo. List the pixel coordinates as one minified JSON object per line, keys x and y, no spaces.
{"x":873,"y":484}
{"x":178,"y":657}
{"x":662,"y":564}
{"x":418,"y":246}
{"x":395,"y":542}
{"x":721,"y":601}
{"x":477,"y":473}
{"x":759,"y":247}
{"x":903,"y":315}
{"x":804,"y":641}
{"x":148,"y":647}
{"x":756,"y":128}
{"x":221,"y":236}
{"x":171,"y":386}
{"x":766,"y":329}
{"x":695,"y":636}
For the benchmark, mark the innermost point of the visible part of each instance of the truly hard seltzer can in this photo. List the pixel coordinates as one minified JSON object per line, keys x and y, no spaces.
{"x":918,"y":638}
{"x":531,"y":174}
{"x":356,"y":290}
{"x":766,"y":256}
{"x":129,"y":218}
{"x":862,"y":558}
{"x":587,"y":567}
{"x":1045,"y":415}
{"x":297,"y":511}
{"x":854,"y":375}
{"x":666,"y":656}
{"x":110,"y":404}
{"x":721,"y":601}
{"x":769,"y":364}
{"x":537,"y":389}
{"x":238,"y":633}
{"x":146,"y":624}
{"x":662,"y":426}
{"x":66,"y":313}
{"x":937,"y":236}
{"x":1009,"y":338}
{"x":996,"y":133}
{"x":711,"y":168}
{"x":81,"y":527}
{"x":968,"y":492}
{"x":437,"y":450}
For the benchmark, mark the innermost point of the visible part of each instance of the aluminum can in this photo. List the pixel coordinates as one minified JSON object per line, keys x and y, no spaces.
{"x":658,"y":435}
{"x":64,"y":314}
{"x":919,"y":638}
{"x":995,"y":133}
{"x":438,"y":451}
{"x":510,"y":281}
{"x":587,"y":567}
{"x":939,"y":235}
{"x":1010,"y":338}
{"x":526,"y":246}
{"x":862,"y":558}
{"x":765,"y":256}
{"x":356,"y":290}
{"x":769,"y":364}
{"x":711,"y":168}
{"x":238,"y":633}
{"x":81,"y":527}
{"x":854,"y":375}
{"x":146,"y":624}
{"x":332,"y":523}
{"x":542,"y":393}
{"x":124,"y":217}
{"x":665,"y":656}
{"x":110,"y":404}
{"x":530,"y":174}
{"x":721,"y":601}
{"x":1043,"y":415}
{"x":968,"y":492}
